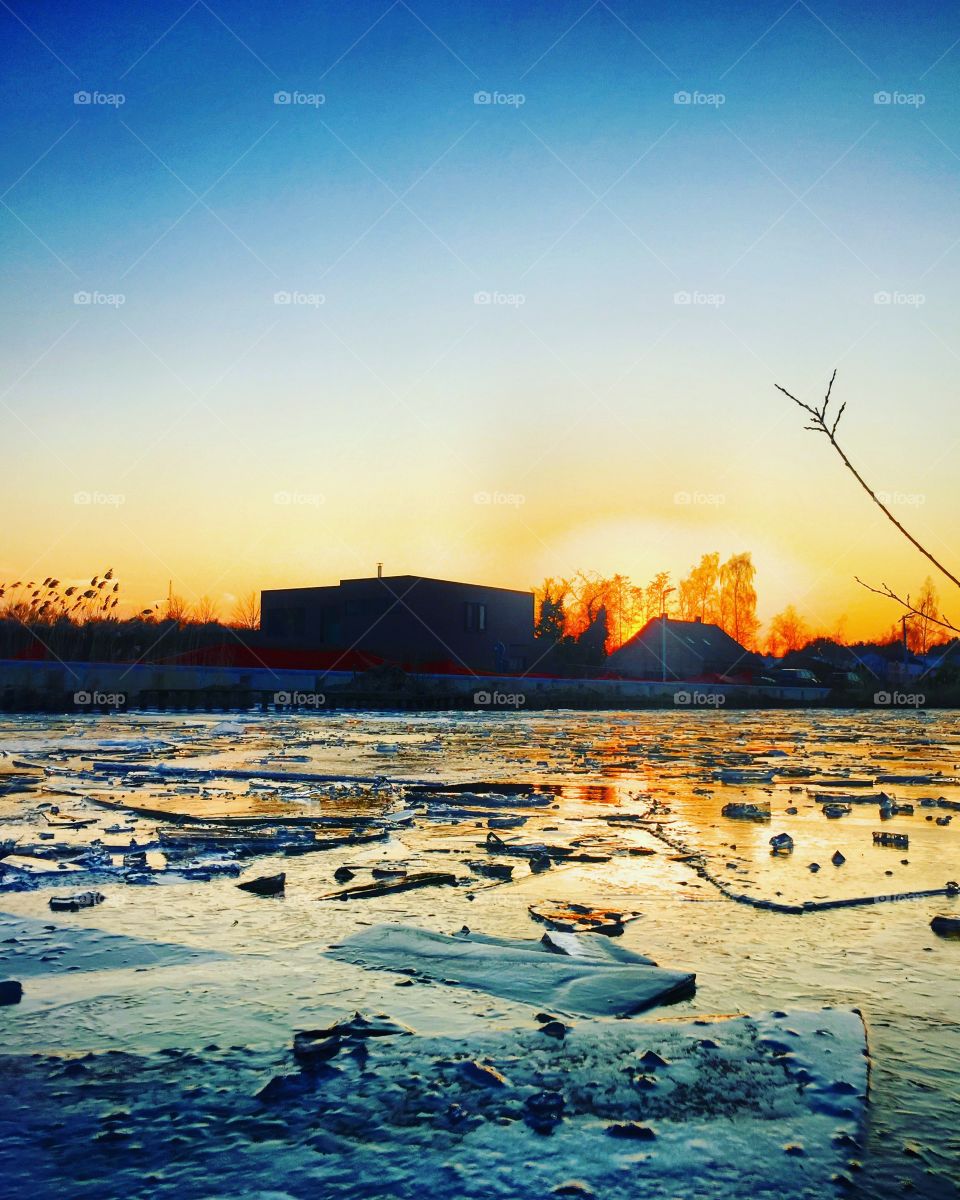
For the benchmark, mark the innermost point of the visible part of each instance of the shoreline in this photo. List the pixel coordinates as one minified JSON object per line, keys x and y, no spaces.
{"x":105,"y":687}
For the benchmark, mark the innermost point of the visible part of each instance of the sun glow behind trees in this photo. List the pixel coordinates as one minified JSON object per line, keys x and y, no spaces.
{"x":590,"y":606}
{"x":718,"y":593}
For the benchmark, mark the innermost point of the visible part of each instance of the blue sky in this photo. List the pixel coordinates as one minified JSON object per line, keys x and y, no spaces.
{"x":584,"y":201}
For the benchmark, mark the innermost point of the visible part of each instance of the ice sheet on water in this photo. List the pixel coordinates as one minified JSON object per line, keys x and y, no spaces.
{"x":32,"y":947}
{"x":610,"y":982}
{"x":763,"y":1106}
{"x":83,"y":741}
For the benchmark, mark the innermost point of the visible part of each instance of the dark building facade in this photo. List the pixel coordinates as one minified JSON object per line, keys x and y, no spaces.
{"x":671,"y":650}
{"x":417,"y":623}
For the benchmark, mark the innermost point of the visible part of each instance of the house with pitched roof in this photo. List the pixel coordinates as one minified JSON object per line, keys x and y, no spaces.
{"x":668,"y":649}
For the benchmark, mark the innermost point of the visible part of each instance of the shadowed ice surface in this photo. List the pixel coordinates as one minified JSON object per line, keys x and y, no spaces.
{"x":191,"y":962}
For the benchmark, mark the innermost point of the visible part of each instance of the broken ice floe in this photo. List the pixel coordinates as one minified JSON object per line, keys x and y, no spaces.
{"x":632,"y":1110}
{"x":610,"y":982}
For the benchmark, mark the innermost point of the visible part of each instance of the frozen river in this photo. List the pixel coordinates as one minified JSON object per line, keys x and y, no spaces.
{"x":198,"y":974}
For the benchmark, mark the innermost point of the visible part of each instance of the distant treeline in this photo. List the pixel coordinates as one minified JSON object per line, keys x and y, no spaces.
{"x":585,"y":617}
{"x":608,"y":611}
{"x":589,"y":610}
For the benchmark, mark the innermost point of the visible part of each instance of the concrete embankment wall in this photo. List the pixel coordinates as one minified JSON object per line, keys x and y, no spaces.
{"x":82,"y":687}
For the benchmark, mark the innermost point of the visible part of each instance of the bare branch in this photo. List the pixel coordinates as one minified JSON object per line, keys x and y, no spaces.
{"x":820,"y":425}
{"x":826,"y":399}
{"x":904,"y":602}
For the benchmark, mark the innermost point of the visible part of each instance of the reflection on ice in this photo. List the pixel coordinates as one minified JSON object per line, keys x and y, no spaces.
{"x":665,"y":815}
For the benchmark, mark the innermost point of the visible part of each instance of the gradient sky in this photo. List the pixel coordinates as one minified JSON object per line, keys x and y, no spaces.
{"x":588,"y":412}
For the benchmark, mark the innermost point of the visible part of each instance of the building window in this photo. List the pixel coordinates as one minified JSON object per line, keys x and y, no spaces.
{"x":474,"y":617}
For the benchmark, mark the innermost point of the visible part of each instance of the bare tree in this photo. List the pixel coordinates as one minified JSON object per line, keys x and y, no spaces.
{"x":823,"y":421}
{"x":175,"y":608}
{"x":246,"y":611}
{"x":738,"y":599}
{"x":788,"y":631}
{"x":928,"y":603}
{"x":206,"y":611}
{"x":700,"y":590}
{"x":567,"y":608}
{"x":655,"y":595}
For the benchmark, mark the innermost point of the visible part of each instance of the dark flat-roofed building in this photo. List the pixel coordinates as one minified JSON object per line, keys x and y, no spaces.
{"x":418,"y":623}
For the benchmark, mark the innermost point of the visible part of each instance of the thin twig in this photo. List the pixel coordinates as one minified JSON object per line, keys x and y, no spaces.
{"x":821,"y":424}
{"x":890,"y":594}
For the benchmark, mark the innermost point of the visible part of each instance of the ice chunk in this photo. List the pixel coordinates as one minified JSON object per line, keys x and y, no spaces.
{"x":519,"y":970}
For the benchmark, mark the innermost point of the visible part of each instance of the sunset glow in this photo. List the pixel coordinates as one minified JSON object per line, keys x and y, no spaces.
{"x":513,"y":339}
{"x":479,"y":599}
